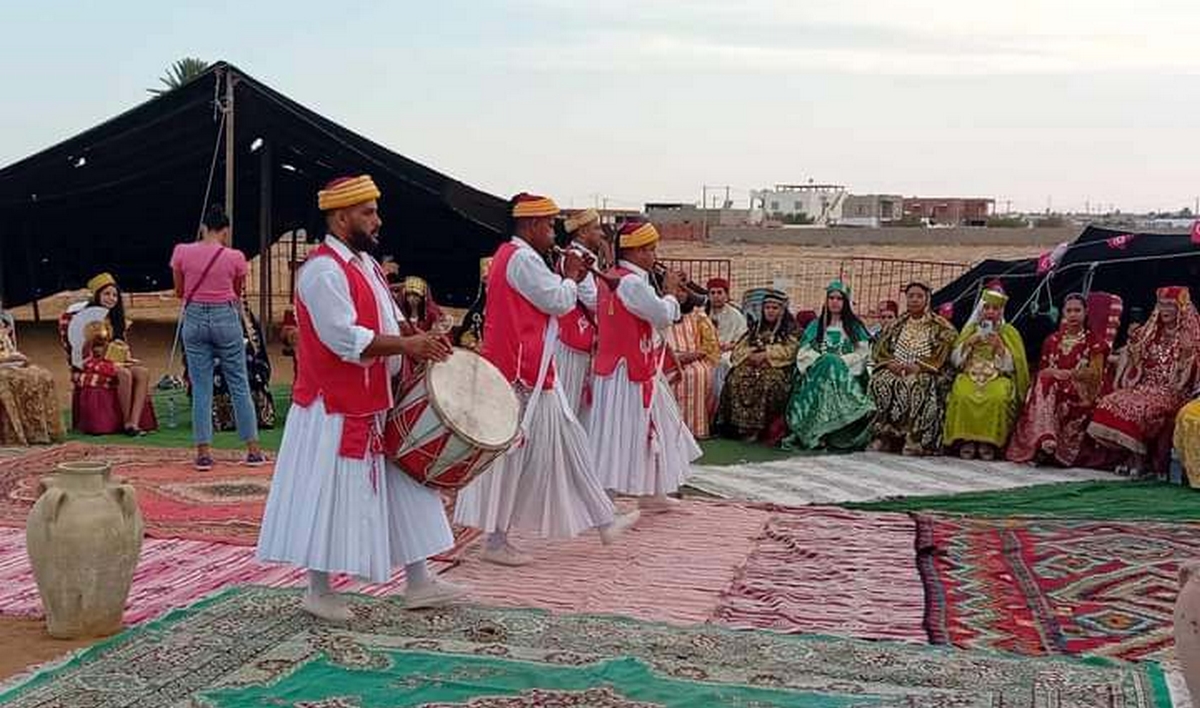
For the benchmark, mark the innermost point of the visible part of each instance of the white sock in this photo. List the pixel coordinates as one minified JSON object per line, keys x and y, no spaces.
{"x":497,"y":540}
{"x":417,"y":573}
{"x":318,"y":582}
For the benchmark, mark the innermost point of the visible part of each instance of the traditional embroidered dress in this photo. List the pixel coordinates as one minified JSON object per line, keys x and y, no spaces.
{"x":829,"y":406}
{"x":1153,"y":382}
{"x":546,"y":483}
{"x":29,"y":412}
{"x":576,"y":340}
{"x":639,"y":442}
{"x":755,"y":396}
{"x":336,"y":503}
{"x":990,"y":387}
{"x":693,"y":384}
{"x":911,"y":407}
{"x":731,"y":327}
{"x":1058,"y":410}
{"x":1187,"y":441}
{"x":470,"y":332}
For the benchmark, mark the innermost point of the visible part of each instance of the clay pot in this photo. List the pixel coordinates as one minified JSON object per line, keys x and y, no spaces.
{"x":84,"y":536}
{"x":1187,"y":626}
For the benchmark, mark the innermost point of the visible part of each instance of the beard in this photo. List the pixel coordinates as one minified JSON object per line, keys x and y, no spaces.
{"x":362,"y":240}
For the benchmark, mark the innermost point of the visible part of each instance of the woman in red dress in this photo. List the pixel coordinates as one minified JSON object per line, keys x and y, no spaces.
{"x":1152,"y":384}
{"x":1053,"y":425}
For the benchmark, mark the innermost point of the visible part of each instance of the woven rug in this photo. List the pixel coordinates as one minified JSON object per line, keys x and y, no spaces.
{"x":668,"y":567}
{"x":1103,"y":588}
{"x":172,"y":573}
{"x":224,"y":505}
{"x":254,"y":647}
{"x":830,"y":571}
{"x":866,"y":476}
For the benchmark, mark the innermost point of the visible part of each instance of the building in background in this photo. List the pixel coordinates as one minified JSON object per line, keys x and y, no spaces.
{"x":871,"y":210}
{"x":951,"y":211}
{"x":687,"y":222}
{"x":810,"y":203}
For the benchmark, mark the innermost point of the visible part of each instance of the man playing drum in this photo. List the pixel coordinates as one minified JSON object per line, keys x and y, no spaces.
{"x":576,"y":329}
{"x":545,"y":483}
{"x":336,"y":504}
{"x":640,"y":445}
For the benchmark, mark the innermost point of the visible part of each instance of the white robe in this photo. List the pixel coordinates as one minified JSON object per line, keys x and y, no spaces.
{"x":638,"y":451}
{"x":573,"y":368}
{"x":731,"y":325}
{"x":545,"y":484}
{"x":322,"y":512}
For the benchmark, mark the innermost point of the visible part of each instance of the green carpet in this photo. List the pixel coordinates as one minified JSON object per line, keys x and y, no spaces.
{"x":181,"y":434}
{"x":254,"y":647}
{"x":1084,"y":500}
{"x":719,"y":452}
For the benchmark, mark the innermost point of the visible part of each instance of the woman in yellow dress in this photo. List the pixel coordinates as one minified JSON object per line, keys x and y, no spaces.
{"x":29,"y":412}
{"x":990,"y":387}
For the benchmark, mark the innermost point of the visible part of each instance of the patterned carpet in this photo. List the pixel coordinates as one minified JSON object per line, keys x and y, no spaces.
{"x":1103,"y":588}
{"x":866,"y":476}
{"x":171,"y":573}
{"x":223,"y":505}
{"x":255,"y":647}
{"x":830,"y":571}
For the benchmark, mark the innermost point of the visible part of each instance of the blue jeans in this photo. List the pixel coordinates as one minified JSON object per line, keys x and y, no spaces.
{"x":214,"y":333}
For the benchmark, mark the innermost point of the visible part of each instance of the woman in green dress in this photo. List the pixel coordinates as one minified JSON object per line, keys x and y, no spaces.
{"x":830,"y":407}
{"x":991,"y":384}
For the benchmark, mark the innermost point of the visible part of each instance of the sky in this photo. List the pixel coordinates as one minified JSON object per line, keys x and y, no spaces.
{"x":1039,"y":104}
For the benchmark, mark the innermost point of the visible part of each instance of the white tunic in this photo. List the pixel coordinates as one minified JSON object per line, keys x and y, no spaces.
{"x":545,"y":484}
{"x":572,"y":367}
{"x":638,"y":451}
{"x":731,"y":325}
{"x":322,"y":511}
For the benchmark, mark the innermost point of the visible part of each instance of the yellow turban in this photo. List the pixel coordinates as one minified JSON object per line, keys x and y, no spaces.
{"x":100,"y":282}
{"x":531,"y":206}
{"x":580,"y":219}
{"x":994,"y":298}
{"x":415,"y":285}
{"x":635,"y":235}
{"x":347,"y":192}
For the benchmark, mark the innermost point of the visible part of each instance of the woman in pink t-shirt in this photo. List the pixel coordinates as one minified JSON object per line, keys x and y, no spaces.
{"x":210,"y":277}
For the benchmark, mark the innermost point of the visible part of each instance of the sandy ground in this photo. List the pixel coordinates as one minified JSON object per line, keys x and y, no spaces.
{"x":25,"y":644}
{"x":948,"y":253}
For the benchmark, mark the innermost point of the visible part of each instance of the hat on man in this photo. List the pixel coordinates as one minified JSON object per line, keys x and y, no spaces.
{"x":345,"y":192}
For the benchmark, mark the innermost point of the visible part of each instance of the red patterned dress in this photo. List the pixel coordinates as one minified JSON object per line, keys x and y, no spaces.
{"x":1151,"y":387}
{"x":1057,"y":410}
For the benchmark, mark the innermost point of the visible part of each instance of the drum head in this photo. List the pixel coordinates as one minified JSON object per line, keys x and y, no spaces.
{"x":474,"y":399}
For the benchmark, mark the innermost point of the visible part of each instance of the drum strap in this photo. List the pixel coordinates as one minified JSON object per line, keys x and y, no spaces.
{"x":548,"y":344}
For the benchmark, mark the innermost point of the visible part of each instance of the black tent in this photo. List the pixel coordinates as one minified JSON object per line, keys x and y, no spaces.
{"x":1124,"y":263}
{"x":118,"y":196}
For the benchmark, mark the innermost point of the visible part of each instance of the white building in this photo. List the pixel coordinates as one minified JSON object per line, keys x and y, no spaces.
{"x":820,"y":202}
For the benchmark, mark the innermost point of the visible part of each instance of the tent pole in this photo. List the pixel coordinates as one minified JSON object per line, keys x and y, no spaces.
{"x":229,"y":146}
{"x":264,"y":235}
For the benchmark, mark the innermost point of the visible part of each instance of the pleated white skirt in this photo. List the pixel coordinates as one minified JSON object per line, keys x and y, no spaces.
{"x":545,"y":485}
{"x":627,"y":457}
{"x":323,"y":513}
{"x":572,"y":369}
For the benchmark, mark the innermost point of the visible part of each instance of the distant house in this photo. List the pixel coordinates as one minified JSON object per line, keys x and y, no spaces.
{"x":953,"y":211}
{"x":871,"y":210}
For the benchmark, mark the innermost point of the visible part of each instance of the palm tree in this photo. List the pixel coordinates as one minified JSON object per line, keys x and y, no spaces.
{"x":179,"y":74}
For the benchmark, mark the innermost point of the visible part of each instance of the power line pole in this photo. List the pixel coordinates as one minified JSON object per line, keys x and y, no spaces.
{"x":229,"y":153}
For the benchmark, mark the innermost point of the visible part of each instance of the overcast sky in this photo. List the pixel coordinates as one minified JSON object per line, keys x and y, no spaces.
{"x":1033,"y":101}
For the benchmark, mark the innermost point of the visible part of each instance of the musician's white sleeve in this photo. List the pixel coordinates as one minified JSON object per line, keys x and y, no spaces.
{"x":640,"y":298}
{"x":588,"y":294}
{"x":531,"y":277}
{"x":322,"y":287}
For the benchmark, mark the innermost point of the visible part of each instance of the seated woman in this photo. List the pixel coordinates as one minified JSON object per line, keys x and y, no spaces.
{"x":760,"y":382}
{"x":469,"y":334}
{"x":417,"y":304}
{"x":910,"y":378}
{"x":29,"y":412}
{"x":107,"y":362}
{"x":1053,"y":425}
{"x":1154,"y":380}
{"x":1187,"y":441}
{"x":889,"y":311}
{"x":991,"y":384}
{"x":696,"y":353}
{"x":830,"y":407}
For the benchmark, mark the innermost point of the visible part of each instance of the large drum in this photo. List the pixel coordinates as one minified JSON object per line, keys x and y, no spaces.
{"x":453,"y":422}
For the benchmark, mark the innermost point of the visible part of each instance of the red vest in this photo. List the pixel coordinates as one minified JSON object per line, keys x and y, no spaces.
{"x":625,"y":337}
{"x":514,"y":331}
{"x":575,"y":329}
{"x":352,"y":390}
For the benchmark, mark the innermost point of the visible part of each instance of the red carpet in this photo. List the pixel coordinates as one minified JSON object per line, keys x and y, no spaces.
{"x":224,"y":505}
